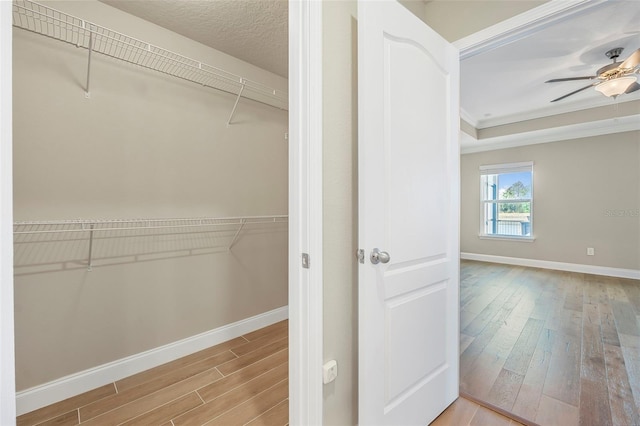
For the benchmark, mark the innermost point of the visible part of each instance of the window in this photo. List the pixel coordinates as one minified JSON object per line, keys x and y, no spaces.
{"x":506,"y":195}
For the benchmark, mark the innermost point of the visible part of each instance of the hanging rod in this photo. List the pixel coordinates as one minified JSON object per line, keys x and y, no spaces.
{"x":58,"y":25}
{"x":92,"y":226}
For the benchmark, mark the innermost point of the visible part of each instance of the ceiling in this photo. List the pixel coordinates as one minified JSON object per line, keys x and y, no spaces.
{"x":255,"y":31}
{"x":507,"y":84}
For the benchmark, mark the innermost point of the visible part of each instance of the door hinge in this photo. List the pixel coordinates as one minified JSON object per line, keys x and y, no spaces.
{"x":360,"y":255}
{"x":305,"y":260}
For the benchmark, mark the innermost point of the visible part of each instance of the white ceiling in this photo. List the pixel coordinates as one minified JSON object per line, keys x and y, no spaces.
{"x":255,"y":31}
{"x":507,"y":84}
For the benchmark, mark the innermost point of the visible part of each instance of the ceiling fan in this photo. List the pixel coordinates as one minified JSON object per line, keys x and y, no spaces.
{"x":613,"y":79}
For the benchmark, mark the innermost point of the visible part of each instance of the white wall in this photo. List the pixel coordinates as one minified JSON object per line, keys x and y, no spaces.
{"x":580,"y":188}
{"x":143,"y":145}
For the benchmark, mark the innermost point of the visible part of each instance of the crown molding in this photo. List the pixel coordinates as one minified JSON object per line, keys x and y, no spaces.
{"x":556,"y":109}
{"x":468,"y":118}
{"x":573,"y":131}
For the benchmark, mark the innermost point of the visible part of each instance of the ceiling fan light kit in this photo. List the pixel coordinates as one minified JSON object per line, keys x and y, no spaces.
{"x":611,"y":80}
{"x":616,"y":86}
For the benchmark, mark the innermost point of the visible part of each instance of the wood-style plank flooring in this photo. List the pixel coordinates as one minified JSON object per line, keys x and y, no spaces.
{"x":556,"y":348}
{"x":240,"y":382}
{"x":553,"y":347}
{"x":243,"y":381}
{"x":464,"y":412}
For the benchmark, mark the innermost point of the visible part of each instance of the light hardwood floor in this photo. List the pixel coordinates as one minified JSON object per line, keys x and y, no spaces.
{"x":464,"y":412}
{"x":556,"y":348}
{"x":240,"y":382}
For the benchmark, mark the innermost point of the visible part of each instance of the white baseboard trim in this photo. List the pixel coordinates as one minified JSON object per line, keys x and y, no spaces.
{"x":560,"y":266}
{"x":74,"y":384}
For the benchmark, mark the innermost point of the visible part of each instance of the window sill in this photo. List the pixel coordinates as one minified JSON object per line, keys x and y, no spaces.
{"x":507,"y":238}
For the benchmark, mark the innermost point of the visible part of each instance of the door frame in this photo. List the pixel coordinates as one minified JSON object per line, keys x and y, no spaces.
{"x":305,"y":181}
{"x":305,"y":213}
{"x":7,"y":357}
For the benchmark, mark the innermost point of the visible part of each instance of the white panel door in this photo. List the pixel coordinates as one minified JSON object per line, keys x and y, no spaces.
{"x":409,"y":208}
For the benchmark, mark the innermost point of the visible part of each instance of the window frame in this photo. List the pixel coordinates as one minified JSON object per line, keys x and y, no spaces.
{"x":496,"y":169}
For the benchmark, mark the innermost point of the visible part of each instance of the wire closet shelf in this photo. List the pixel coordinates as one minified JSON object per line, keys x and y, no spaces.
{"x":58,"y":25}
{"x":124,"y":227}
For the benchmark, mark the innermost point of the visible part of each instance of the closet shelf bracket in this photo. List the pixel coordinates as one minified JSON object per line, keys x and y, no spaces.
{"x":90,"y":257}
{"x":90,"y":49}
{"x":235,"y":105}
{"x":235,"y":237}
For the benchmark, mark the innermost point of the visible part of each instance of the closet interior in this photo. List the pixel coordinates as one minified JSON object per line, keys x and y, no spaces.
{"x":150,"y":197}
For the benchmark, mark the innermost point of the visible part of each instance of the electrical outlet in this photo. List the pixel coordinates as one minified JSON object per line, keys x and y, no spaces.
{"x":329,"y":371}
{"x":591,"y":251}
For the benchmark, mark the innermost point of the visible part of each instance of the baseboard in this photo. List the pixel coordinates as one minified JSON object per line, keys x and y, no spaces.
{"x":560,"y":266}
{"x":65,"y":387}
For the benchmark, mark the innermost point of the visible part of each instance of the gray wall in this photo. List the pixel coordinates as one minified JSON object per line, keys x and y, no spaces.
{"x":144,"y":145}
{"x":586,"y":194}
{"x":454,"y":20}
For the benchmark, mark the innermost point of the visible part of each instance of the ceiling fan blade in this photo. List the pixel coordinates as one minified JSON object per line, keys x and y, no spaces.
{"x":573,"y":93}
{"x":632,"y":61}
{"x":635,"y":86}
{"x":556,"y":80}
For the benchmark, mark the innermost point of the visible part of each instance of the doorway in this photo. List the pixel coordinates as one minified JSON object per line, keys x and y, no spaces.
{"x":246,"y":123}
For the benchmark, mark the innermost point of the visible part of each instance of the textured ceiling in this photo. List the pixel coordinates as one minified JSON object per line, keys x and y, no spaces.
{"x":255,"y":31}
{"x":507,"y":84}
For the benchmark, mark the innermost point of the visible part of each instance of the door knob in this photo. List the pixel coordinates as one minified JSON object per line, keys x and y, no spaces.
{"x":378,"y":256}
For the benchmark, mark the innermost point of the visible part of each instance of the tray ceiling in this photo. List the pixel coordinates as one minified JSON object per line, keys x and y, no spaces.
{"x":507,"y":84}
